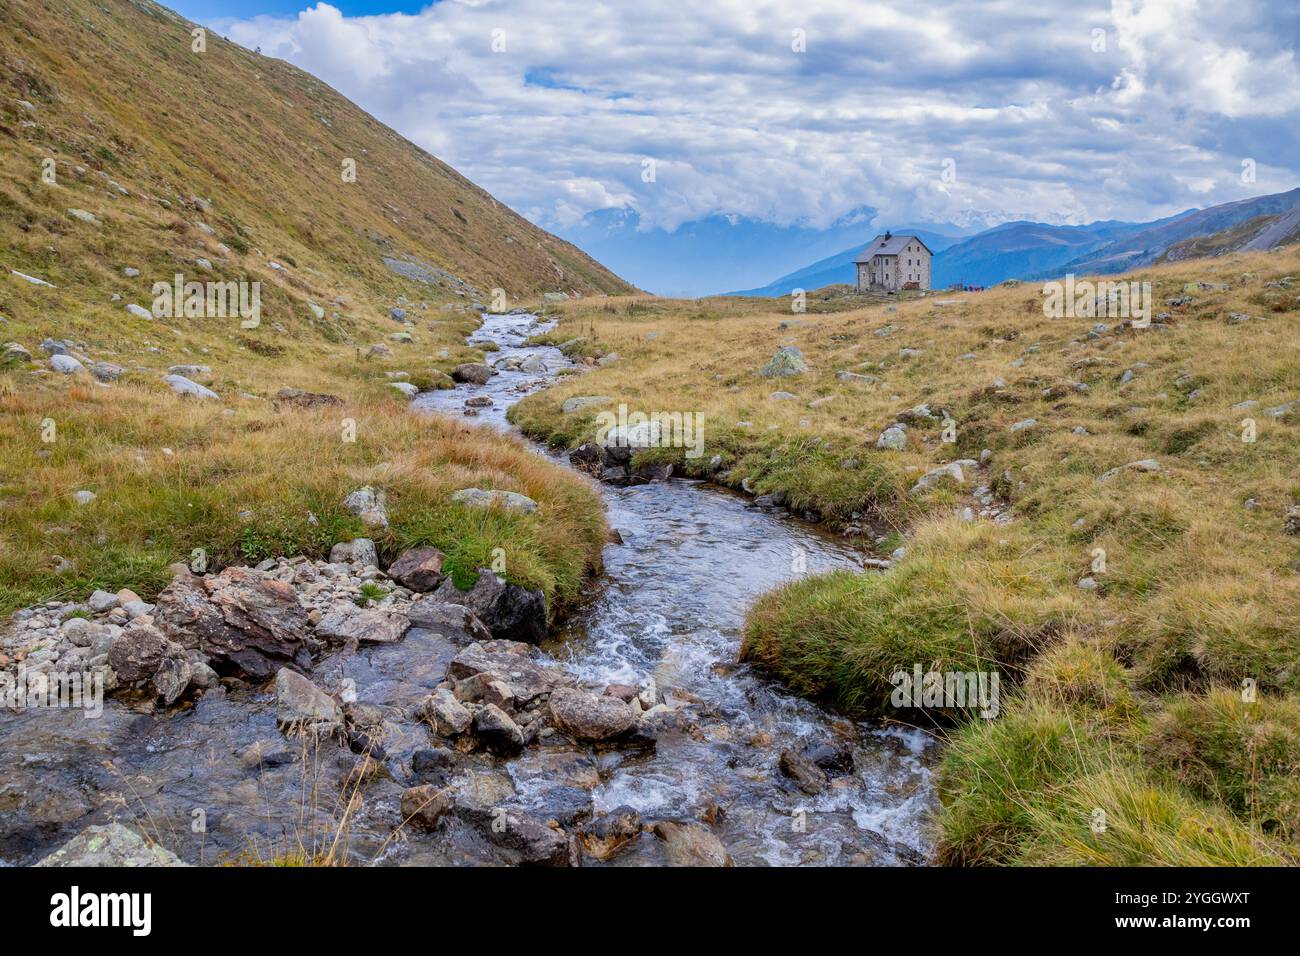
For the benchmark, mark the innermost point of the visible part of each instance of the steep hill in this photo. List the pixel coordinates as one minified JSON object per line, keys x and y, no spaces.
{"x":232,"y":157}
{"x":1150,"y":244}
{"x":128,"y":158}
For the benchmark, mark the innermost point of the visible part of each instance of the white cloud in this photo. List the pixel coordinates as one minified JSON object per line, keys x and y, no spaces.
{"x":1038,"y":123}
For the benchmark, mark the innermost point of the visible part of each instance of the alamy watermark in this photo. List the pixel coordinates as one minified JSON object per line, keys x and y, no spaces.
{"x":22,"y":689}
{"x":933,"y":690}
{"x":208,"y":300}
{"x":638,"y":429}
{"x":1095,"y":300}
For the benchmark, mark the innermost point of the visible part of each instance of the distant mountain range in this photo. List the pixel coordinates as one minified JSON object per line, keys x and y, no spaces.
{"x":707,"y":256}
{"x":1035,"y":250}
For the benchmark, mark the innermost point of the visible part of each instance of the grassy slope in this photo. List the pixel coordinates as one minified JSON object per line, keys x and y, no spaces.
{"x":1200,"y":591}
{"x":251,"y":148}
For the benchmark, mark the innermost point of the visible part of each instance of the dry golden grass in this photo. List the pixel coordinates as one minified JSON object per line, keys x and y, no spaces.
{"x":245,"y":481}
{"x":1199,"y":588}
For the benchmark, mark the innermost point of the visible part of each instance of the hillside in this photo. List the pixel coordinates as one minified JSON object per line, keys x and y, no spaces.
{"x":1151,"y":243}
{"x":1035,"y":250}
{"x":239,"y":159}
{"x":1257,"y":234}
{"x":1022,"y":249}
{"x":1107,"y":515}
{"x":226,"y":167}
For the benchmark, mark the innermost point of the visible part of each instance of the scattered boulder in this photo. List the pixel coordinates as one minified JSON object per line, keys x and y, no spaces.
{"x":857,"y":378}
{"x":359,"y":551}
{"x":11,"y":353}
{"x":893,"y":438}
{"x":141,"y":655}
{"x":347,"y":622}
{"x":66,"y":364}
{"x":951,"y":470}
{"x":106,"y":371}
{"x":788,"y":360}
{"x":419,"y":569}
{"x":1146,"y":465}
{"x":302,"y":706}
{"x":809,"y":777}
{"x":508,"y":610}
{"x":509,"y":500}
{"x":588,"y":457}
{"x":579,"y":402}
{"x":434,"y":614}
{"x":111,"y":845}
{"x":445,"y":714}
{"x":237,"y":619}
{"x":424,"y":806}
{"x":511,"y":664}
{"x":297,"y":398}
{"x":474,"y":373}
{"x":497,"y":731}
{"x":139,"y":311}
{"x":369,"y":505}
{"x":585,"y":716}
{"x":533,"y":842}
{"x":184,"y":386}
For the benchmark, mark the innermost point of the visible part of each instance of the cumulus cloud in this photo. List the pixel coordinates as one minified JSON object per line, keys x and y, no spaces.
{"x":801,"y":114}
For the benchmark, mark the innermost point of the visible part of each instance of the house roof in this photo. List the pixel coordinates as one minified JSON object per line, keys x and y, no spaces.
{"x":888,"y":245}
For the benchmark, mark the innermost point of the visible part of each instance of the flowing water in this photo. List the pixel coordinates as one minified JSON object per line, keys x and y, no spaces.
{"x":693,"y":558}
{"x":217,"y":780}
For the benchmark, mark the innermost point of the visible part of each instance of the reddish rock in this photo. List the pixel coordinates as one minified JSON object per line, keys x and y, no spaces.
{"x":419,"y":569}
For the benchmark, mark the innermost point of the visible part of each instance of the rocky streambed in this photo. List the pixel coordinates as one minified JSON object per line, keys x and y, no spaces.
{"x":331,"y":709}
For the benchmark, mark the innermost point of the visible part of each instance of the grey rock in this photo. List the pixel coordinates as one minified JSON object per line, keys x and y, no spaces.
{"x":359,"y":552}
{"x":445,"y":714}
{"x":1145,"y":465}
{"x":787,"y":361}
{"x":110,"y":845}
{"x":236,"y":618}
{"x":509,"y":500}
{"x":585,"y":716}
{"x":579,"y":402}
{"x":101,"y":602}
{"x":369,"y":505}
{"x":107,"y":371}
{"x":951,"y":471}
{"x":184,"y":386}
{"x":347,"y":622}
{"x":494,"y":728}
{"x":436,"y":614}
{"x":893,"y":438}
{"x":66,"y":364}
{"x":301,"y":705}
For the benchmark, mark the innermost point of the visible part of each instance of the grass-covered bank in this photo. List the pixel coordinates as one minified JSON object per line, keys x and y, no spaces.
{"x":1124,"y":607}
{"x":245,"y":480}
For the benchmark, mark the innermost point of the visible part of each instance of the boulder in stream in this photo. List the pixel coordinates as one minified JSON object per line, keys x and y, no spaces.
{"x":509,"y":611}
{"x":238,"y":619}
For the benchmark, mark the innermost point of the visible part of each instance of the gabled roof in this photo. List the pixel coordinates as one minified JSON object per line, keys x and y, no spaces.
{"x":888,"y":245}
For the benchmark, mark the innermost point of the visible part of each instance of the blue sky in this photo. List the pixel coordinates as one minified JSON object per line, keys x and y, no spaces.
{"x":784,"y":118}
{"x":208,"y":11}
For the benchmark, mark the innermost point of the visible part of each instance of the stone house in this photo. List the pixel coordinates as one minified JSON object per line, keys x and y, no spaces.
{"x":892,"y":263}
